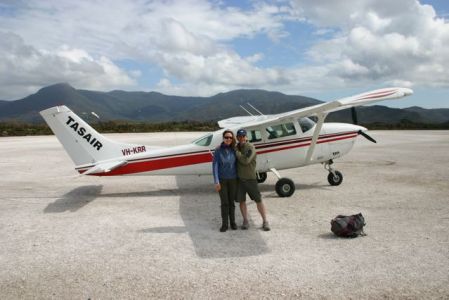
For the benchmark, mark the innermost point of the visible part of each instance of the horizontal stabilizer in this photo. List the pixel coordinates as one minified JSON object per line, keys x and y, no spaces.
{"x":105,"y":167}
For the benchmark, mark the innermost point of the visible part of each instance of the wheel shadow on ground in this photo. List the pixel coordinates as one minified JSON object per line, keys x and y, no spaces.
{"x":75,"y":199}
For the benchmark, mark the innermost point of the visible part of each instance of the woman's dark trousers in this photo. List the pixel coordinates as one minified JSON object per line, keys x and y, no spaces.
{"x":228,"y":195}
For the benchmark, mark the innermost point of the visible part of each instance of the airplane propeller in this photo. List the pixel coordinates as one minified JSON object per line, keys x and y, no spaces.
{"x":354,"y":116}
{"x":367,"y":136}
{"x":355,"y":121}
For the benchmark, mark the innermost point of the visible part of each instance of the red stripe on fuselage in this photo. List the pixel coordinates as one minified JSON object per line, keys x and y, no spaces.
{"x":159,"y":164}
{"x":306,"y":144}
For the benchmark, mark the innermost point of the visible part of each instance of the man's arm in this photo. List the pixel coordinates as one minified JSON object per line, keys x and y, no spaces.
{"x":247,"y":157}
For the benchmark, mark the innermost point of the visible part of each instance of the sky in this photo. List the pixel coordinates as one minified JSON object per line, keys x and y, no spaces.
{"x":323,"y":49}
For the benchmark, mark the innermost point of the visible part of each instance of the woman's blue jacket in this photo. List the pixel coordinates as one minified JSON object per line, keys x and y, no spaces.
{"x":224,"y":165}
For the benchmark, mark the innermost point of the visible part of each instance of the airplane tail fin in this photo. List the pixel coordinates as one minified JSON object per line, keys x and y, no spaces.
{"x":84,"y":144}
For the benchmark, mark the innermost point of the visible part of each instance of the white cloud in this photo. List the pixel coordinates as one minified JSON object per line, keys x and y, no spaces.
{"x":25,"y":69}
{"x":370,"y":42}
{"x":380,"y":41}
{"x":187,"y":39}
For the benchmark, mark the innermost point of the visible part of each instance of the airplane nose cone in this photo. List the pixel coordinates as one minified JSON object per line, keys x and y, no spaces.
{"x":359,"y":128}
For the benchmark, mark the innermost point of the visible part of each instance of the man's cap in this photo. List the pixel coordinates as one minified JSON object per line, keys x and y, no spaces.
{"x":241,"y":132}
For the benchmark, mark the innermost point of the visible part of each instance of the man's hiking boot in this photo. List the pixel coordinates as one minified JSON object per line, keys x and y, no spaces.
{"x":233,"y":226}
{"x":266,"y":226}
{"x":223,"y":228}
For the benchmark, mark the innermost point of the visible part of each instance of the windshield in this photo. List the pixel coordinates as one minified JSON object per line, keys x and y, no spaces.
{"x":203,"y":141}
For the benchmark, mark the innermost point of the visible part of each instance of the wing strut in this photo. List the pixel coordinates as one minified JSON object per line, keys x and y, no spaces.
{"x":316,"y":134}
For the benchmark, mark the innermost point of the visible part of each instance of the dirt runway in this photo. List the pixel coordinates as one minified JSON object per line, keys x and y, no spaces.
{"x":65,"y":236}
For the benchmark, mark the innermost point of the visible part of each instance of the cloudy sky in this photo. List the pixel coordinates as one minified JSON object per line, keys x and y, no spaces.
{"x":323,"y":48}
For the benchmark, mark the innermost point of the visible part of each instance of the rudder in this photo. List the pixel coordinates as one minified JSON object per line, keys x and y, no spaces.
{"x":83,"y":143}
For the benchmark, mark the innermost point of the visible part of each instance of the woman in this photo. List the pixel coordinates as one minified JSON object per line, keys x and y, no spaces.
{"x":224,"y":168}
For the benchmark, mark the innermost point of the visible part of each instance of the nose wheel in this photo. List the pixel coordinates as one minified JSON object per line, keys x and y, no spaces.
{"x":335,"y":177}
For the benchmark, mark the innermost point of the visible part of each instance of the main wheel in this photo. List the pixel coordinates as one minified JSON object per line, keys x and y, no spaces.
{"x":261,"y":177}
{"x":285,"y":187}
{"x":335,"y":180}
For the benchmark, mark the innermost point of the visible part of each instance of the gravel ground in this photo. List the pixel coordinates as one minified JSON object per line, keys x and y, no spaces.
{"x":64,"y":236}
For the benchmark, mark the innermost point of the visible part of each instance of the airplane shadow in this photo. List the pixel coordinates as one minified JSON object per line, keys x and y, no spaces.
{"x":75,"y":199}
{"x":200,"y":212}
{"x":81,"y":196}
{"x":166,"y":229}
{"x":199,"y":208}
{"x":159,"y":193}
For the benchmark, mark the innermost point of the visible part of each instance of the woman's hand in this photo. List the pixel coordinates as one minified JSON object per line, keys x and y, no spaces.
{"x":217,"y":187}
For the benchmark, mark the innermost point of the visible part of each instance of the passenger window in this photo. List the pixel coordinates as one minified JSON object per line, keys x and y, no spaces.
{"x":281,"y":130}
{"x":306,"y":124}
{"x":254,"y":136}
{"x":204,"y":141}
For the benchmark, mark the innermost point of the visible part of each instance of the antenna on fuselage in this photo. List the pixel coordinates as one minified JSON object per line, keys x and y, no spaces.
{"x":261,"y":114}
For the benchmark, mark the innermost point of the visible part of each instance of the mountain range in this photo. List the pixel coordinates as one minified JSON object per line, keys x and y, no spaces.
{"x":157,"y":107}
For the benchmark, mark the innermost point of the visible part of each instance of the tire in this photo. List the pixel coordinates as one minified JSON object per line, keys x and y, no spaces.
{"x":285,"y":187}
{"x":261,"y":177}
{"x":335,"y":180}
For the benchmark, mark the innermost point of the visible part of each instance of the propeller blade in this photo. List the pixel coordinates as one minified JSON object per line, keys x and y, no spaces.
{"x":367,"y":136}
{"x":354,"y":116}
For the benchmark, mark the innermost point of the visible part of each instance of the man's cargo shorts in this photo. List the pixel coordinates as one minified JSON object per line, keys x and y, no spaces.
{"x":250,"y":187}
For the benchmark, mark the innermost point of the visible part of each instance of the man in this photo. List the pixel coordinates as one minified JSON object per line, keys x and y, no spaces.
{"x":246,"y":171}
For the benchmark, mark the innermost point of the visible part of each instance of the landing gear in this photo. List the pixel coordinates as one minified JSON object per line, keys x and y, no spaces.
{"x":335,"y":177}
{"x":261,"y":177}
{"x":284,"y":186}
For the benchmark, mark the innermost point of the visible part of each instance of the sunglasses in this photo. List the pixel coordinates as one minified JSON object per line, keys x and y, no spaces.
{"x":228,"y":137}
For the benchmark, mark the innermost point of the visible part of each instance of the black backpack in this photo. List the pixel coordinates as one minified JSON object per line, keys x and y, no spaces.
{"x":348,"y":226}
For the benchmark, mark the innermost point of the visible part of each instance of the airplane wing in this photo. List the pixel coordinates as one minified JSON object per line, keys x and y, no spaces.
{"x":105,"y":167}
{"x":232,"y":122}
{"x":322,"y":110}
{"x":328,"y":107}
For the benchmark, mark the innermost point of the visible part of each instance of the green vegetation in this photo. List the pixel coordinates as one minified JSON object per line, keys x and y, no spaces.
{"x":22,"y":129}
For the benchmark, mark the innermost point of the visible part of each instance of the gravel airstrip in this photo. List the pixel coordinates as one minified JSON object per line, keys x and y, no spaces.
{"x":65,"y":236}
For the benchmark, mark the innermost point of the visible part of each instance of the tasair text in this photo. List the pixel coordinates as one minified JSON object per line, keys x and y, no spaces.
{"x":83,"y":133}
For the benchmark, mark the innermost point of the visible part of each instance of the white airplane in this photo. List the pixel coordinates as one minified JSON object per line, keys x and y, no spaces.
{"x":282,"y":141}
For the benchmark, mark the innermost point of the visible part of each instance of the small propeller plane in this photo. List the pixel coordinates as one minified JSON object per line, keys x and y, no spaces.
{"x":283,"y":141}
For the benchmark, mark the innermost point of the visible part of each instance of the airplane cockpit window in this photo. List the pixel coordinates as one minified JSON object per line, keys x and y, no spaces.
{"x":203,"y":141}
{"x":281,"y":130}
{"x":254,"y":136}
{"x":306,"y":124}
